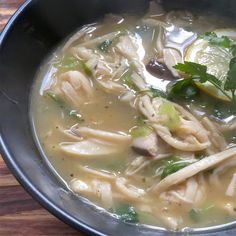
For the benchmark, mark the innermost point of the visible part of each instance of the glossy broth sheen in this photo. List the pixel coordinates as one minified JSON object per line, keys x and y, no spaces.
{"x":108,"y":111}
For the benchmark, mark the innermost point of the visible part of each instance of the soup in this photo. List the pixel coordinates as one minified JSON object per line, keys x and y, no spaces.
{"x":137,"y":114}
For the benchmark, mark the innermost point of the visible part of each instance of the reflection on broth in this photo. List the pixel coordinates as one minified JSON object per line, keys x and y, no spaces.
{"x":138,"y":115}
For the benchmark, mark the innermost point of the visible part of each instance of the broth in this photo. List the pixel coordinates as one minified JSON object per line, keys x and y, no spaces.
{"x":117,"y":129}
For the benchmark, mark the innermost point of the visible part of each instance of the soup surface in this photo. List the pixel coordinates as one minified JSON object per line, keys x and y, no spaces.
{"x":137,"y":114}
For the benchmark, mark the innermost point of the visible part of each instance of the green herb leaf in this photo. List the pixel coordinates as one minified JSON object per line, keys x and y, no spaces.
{"x":233,"y":48}
{"x":72,"y":113}
{"x":126,"y":213}
{"x":195,"y":215}
{"x":86,"y":69}
{"x":172,"y":167}
{"x":212,"y":38}
{"x":197,"y":72}
{"x":127,"y":80}
{"x":184,"y":89}
{"x":230,"y":83}
{"x":104,"y":46}
{"x":157,"y":93}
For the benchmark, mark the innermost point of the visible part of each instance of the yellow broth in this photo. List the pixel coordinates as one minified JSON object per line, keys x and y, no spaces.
{"x":105,"y":111}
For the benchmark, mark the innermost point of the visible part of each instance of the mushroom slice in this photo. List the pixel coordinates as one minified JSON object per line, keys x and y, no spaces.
{"x":146,"y":145}
{"x":172,"y":57}
{"x":90,"y":147}
{"x":193,"y":169}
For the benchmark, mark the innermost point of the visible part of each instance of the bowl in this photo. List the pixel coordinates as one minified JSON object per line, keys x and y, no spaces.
{"x":28,"y":38}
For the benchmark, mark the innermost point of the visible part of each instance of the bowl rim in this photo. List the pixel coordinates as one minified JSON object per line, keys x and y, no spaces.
{"x":17,"y":172}
{"x":53,"y":208}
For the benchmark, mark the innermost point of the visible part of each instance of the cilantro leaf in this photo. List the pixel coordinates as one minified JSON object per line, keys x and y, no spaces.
{"x":198,"y":73}
{"x":230,"y":83}
{"x":184,"y":88}
{"x":212,"y":38}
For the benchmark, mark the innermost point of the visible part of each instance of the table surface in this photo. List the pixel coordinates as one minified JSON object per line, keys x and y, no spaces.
{"x":19,"y":213}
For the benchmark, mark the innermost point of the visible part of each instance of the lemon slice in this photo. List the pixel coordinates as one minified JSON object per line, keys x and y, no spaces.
{"x":216,"y":59}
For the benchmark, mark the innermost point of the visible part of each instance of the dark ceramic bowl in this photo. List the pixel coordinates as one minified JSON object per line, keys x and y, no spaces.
{"x":34,"y":31}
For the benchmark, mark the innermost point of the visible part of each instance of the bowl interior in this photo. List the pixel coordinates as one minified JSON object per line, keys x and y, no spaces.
{"x":35,"y":30}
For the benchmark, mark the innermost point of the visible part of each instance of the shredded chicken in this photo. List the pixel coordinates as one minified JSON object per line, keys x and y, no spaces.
{"x":91,"y":147}
{"x":218,"y":142}
{"x":191,"y":192}
{"x":90,"y":133}
{"x":190,"y":135}
{"x":147,"y":145}
{"x":192,"y":170}
{"x":223,"y":168}
{"x":129,"y":190}
{"x":231,"y":187}
{"x":73,"y":87}
{"x":98,"y":174}
{"x":172,"y":57}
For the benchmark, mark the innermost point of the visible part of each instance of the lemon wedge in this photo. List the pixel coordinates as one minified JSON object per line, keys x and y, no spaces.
{"x":216,"y":59}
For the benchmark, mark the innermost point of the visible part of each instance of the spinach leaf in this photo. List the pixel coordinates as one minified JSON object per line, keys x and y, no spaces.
{"x":126,"y":213}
